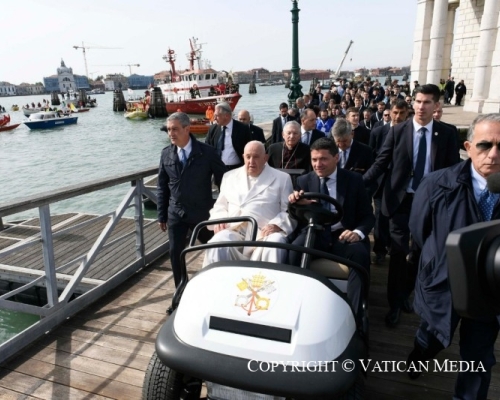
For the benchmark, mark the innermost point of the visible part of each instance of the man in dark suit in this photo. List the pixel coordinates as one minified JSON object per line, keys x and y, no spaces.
{"x":353,"y":156}
{"x":185,"y":186}
{"x":460,"y":91}
{"x":257,"y":132}
{"x":279,"y":123}
{"x":448,"y":200}
{"x":411,"y":150}
{"x":361,"y":134}
{"x":228,"y":136}
{"x":381,"y":234}
{"x":309,"y":133}
{"x":348,"y":238}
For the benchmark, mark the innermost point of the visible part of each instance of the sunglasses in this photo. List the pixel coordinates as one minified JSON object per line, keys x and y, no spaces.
{"x":386,"y":115}
{"x":485,"y":146}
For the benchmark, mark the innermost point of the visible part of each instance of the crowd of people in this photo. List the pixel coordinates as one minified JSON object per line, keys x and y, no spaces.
{"x":389,"y":160}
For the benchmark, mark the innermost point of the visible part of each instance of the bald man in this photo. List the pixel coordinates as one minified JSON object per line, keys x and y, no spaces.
{"x":258,"y":191}
{"x":257,"y":133}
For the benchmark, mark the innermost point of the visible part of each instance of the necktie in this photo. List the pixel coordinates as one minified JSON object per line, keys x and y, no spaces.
{"x":221,"y":139}
{"x":323,"y":188}
{"x":418,"y":174}
{"x":283,"y":121}
{"x":306,"y":137}
{"x":183,"y":158}
{"x":487,"y":201}
{"x":343,"y":159}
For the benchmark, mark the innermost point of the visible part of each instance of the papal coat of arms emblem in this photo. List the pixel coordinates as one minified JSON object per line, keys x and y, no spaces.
{"x":256,"y":293}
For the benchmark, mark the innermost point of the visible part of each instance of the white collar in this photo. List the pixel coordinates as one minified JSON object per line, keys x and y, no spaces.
{"x":417,"y":126}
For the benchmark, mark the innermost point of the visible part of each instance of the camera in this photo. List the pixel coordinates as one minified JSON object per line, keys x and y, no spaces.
{"x":474,"y":269}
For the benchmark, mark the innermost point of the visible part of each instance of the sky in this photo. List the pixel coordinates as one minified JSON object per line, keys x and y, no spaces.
{"x":237,"y":35}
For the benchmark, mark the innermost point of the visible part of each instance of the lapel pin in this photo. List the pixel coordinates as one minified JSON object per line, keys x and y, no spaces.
{"x":435,"y":133}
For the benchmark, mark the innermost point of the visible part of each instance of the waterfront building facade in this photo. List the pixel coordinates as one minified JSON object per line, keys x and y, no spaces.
{"x":65,"y":80}
{"x":116,"y":81}
{"x":28,"y":89}
{"x":461,"y":39}
{"x":7,"y":89}
{"x":140,"y":81}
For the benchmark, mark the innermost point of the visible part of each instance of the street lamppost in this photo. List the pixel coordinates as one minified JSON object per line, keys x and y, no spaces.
{"x":295,"y":86}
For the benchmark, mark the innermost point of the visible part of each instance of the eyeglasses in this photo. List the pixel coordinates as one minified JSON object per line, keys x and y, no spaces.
{"x":485,"y":146}
{"x":386,"y":115}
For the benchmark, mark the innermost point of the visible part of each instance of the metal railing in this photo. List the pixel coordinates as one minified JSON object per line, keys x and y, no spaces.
{"x":61,"y":302}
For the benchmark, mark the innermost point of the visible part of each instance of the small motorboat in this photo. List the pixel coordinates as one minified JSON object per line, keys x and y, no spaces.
{"x":8,"y":127}
{"x":199,"y":126}
{"x":49,"y":119}
{"x":77,"y":110}
{"x":14,"y":108}
{"x":136,"y":113}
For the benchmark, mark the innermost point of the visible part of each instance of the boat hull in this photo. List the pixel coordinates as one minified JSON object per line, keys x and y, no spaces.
{"x":200,"y":105}
{"x":8,"y":127}
{"x":48,"y":124}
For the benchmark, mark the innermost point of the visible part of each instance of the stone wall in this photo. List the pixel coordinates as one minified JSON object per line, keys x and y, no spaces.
{"x":466,"y":42}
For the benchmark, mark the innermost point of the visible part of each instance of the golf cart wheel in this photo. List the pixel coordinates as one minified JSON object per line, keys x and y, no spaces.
{"x":161,"y":382}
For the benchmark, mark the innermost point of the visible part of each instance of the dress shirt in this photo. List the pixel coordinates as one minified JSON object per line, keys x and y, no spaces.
{"x":251,"y":181}
{"x":187,"y":149}
{"x":331,"y":183}
{"x":478,"y":183}
{"x":283,"y":121}
{"x":229,"y":156}
{"x":416,"y":140}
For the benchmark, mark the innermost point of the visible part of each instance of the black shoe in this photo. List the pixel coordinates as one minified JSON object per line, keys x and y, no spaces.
{"x":392,"y":317}
{"x":379,"y":259}
{"x":170,"y":310}
{"x":407,"y":307}
{"x":412,"y":364}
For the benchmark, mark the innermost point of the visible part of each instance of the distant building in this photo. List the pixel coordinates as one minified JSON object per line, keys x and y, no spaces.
{"x":309,"y":74}
{"x":65,"y":81}
{"x":7,"y":89}
{"x":116,"y":81}
{"x":27,"y":89}
{"x":140,"y":81}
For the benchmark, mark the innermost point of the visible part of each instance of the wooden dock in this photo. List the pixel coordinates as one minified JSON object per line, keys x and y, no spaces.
{"x":103,"y":351}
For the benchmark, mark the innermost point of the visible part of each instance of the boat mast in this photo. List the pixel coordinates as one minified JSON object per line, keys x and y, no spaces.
{"x":343,"y":59}
{"x":195,"y":53}
{"x":170,"y":58}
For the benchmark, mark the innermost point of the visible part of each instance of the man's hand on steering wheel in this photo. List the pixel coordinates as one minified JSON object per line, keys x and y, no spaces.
{"x":295,"y":198}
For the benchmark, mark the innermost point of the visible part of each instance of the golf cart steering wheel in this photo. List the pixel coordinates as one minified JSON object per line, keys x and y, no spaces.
{"x":316,"y":211}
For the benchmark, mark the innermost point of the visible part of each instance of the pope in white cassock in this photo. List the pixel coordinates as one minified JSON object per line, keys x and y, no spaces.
{"x":258,"y":191}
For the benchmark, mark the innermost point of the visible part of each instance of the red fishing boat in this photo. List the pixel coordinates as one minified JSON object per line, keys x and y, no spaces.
{"x":194,"y":90}
{"x":8,"y":127}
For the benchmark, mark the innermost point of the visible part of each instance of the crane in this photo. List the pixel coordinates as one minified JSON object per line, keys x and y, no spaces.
{"x":83,"y":47}
{"x":122,"y":65}
{"x":343,"y":58}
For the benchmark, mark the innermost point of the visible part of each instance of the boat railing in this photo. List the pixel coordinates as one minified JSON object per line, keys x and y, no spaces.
{"x":68,"y":288}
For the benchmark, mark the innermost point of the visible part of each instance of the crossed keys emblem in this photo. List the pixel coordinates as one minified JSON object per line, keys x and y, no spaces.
{"x":253,"y":289}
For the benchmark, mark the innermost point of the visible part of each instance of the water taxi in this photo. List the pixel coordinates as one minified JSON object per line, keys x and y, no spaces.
{"x":49,"y":119}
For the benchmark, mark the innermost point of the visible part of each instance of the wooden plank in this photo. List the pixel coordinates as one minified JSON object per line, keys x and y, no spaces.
{"x":6,"y":394}
{"x":7,"y":242}
{"x":83,"y":381}
{"x":39,"y":388}
{"x":19,"y":232}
